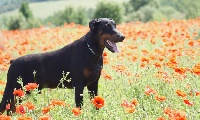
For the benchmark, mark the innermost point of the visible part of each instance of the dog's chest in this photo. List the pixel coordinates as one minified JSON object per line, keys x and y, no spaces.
{"x":88,"y":73}
{"x":91,"y":73}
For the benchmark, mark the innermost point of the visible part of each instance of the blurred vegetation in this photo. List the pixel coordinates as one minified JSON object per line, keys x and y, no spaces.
{"x":134,"y":10}
{"x":8,"y":5}
{"x":25,"y":10}
{"x":109,"y":10}
{"x":79,"y":16}
{"x":24,"y":20}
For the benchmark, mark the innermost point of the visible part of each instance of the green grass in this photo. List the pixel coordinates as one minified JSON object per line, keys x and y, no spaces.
{"x":115,"y":91}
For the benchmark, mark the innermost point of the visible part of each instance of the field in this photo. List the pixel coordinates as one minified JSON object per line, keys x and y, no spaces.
{"x":156,"y":76}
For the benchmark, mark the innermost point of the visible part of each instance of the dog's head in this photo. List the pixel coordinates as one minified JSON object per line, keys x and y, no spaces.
{"x":107,"y":33}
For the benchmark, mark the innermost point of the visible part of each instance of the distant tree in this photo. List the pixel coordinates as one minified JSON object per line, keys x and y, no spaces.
{"x":190,"y":9}
{"x":79,"y":16}
{"x":17,"y":22}
{"x":136,"y":4}
{"x":25,"y":10}
{"x":68,"y":15}
{"x":14,"y":24}
{"x":109,"y":10}
{"x":32,"y":23}
{"x":20,"y":22}
{"x":144,"y":14}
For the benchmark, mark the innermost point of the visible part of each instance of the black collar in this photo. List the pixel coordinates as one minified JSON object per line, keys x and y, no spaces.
{"x":91,"y":50}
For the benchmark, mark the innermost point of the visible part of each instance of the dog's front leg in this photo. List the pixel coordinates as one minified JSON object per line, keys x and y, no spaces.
{"x":93,"y":89}
{"x":79,"y":96}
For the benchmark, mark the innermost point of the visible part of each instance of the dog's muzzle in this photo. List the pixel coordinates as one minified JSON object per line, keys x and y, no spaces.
{"x":111,"y":46}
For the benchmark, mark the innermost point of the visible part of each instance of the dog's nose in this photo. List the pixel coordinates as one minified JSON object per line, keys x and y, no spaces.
{"x":122,"y":37}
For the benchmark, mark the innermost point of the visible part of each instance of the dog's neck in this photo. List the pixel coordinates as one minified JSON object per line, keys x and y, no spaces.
{"x":93,"y":45}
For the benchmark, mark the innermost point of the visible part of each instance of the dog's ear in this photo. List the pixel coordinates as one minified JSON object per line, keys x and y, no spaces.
{"x":94,"y":23}
{"x":111,"y":20}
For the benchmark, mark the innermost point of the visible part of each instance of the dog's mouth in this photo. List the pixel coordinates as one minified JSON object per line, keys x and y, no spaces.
{"x":111,"y":46}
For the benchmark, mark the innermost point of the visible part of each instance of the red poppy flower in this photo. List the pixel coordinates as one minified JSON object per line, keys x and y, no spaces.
{"x":20,"y":109}
{"x":8,"y":106}
{"x":157,"y":64}
{"x":125,"y":103}
{"x":196,"y":70}
{"x":24,"y":118}
{"x":2,"y":82}
{"x":98,"y":101}
{"x":175,"y":114}
{"x":30,"y":106}
{"x":130,"y":109}
{"x":145,"y":60}
{"x":148,"y":91}
{"x":58,"y":102}
{"x":107,"y":76}
{"x":197,"y":93}
{"x":180,"y":70}
{"x":76,"y":111}
{"x":19,"y":93}
{"x":181,"y":93}
{"x":105,"y":54}
{"x":160,"y":98}
{"x":31,"y":86}
{"x":46,"y":109}
{"x":45,"y":117}
{"x":188,"y":102}
{"x":1,"y":92}
{"x":4,"y":117}
{"x":134,"y":101}
{"x":161,"y":118}
{"x":120,"y":68}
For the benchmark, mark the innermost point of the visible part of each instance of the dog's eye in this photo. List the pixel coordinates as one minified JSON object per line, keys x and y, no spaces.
{"x":108,"y":25}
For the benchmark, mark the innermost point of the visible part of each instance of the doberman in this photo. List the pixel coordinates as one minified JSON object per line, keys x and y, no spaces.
{"x":82,"y":59}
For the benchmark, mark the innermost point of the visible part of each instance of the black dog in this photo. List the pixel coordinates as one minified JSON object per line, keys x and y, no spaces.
{"x":82,"y":59}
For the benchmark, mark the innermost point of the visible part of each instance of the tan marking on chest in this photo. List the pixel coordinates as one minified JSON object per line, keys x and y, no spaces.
{"x":86,"y":72}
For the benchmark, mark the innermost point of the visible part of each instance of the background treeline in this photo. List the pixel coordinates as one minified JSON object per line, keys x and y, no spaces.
{"x":134,"y":10}
{"x":8,"y":5}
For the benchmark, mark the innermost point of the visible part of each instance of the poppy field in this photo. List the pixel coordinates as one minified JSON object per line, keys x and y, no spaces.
{"x":155,"y":76}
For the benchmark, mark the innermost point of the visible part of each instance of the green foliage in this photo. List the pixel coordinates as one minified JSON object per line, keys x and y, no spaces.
{"x":20,"y":22}
{"x":170,"y":13}
{"x":144,"y":14}
{"x":16,"y":22}
{"x":24,"y":20}
{"x":148,"y":10}
{"x":142,"y":10}
{"x":109,"y":10}
{"x":25,"y":10}
{"x":81,"y":16}
{"x":149,"y":13}
{"x":187,"y":7}
{"x":9,"y":5}
{"x":197,"y":37}
{"x":32,"y":23}
{"x":69,"y":15}
{"x":128,"y":10}
{"x":4,"y":22}
{"x":137,"y":4}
